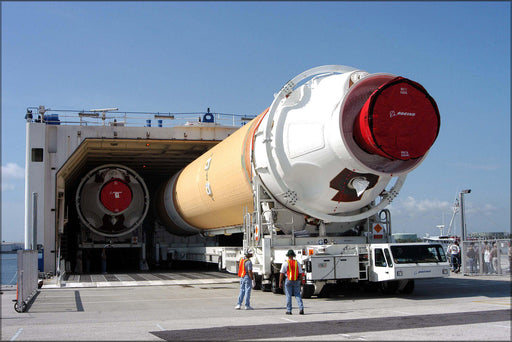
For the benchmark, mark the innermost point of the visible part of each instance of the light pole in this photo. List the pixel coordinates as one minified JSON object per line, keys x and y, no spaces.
{"x":463,"y":229}
{"x":462,"y":218}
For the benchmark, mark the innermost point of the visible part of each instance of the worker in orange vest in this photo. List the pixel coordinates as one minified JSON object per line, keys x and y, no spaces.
{"x":246,"y":278}
{"x":292,"y":270}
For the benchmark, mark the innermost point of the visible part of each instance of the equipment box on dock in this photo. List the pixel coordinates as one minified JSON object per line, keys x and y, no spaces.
{"x":334,"y":267}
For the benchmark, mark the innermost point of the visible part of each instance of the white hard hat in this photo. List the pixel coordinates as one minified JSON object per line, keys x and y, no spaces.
{"x":248,"y":251}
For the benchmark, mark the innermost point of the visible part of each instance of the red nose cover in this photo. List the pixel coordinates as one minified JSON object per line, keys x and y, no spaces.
{"x":116,"y":195}
{"x":400,"y":120}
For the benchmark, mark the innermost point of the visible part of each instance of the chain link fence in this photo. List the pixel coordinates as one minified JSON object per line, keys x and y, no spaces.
{"x":486,"y":257}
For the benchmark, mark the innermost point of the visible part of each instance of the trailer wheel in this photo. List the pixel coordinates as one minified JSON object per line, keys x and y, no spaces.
{"x":275,"y":284}
{"x":408,"y":288}
{"x":306,"y":291}
{"x":170,"y":262}
{"x":219,"y":264}
{"x":256,"y":285}
{"x":389,"y":287}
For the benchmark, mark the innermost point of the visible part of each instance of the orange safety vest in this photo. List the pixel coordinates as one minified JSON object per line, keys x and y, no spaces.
{"x":241,"y":268}
{"x":293,"y":270}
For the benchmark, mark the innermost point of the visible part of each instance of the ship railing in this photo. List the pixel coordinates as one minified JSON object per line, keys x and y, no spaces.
{"x":111,"y":117}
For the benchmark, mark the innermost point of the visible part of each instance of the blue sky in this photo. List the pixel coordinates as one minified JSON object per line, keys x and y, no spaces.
{"x":233,"y":56}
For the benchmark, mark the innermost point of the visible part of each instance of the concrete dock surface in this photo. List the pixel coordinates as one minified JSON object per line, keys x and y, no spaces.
{"x":199,"y":306}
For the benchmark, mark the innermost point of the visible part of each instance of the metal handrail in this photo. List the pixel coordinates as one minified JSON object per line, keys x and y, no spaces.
{"x":113,"y":117}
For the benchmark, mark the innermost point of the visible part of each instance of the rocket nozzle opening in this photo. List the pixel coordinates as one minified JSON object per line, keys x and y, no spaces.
{"x":399,"y":120}
{"x":116,"y":195}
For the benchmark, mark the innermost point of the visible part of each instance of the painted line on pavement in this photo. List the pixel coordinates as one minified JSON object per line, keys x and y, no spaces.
{"x":289,"y":320}
{"x":17,"y":334}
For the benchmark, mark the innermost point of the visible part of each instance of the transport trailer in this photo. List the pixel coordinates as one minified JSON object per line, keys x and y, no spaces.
{"x":330,"y":261}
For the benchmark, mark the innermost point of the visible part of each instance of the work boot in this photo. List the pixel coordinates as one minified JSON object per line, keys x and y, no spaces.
{"x":249,"y":308}
{"x":288,"y":312}
{"x":237,"y":307}
{"x":301,"y":312}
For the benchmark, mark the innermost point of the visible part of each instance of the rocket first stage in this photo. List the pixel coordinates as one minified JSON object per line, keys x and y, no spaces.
{"x":327,"y":146}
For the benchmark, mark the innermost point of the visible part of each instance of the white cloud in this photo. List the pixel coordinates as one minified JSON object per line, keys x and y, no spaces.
{"x":13,"y":228}
{"x":426,"y":204}
{"x":12,"y":174}
{"x":477,"y":166}
{"x":411,"y":206}
{"x":12,"y":171}
{"x":410,"y":215}
{"x":485,"y":209}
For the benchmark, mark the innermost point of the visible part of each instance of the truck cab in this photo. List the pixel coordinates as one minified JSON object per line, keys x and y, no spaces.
{"x":396,"y":265}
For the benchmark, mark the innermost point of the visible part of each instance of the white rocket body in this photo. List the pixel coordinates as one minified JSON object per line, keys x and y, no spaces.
{"x":326,"y":148}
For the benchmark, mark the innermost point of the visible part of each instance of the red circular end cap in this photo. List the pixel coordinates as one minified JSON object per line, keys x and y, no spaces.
{"x":400,"y":120}
{"x":116,"y":195}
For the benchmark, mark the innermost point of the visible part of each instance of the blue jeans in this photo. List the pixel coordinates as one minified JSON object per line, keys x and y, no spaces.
{"x":245,"y":290}
{"x":472,"y":265}
{"x":292,"y":288}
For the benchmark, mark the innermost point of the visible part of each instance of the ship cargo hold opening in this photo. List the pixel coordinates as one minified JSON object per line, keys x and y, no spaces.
{"x":98,"y":176}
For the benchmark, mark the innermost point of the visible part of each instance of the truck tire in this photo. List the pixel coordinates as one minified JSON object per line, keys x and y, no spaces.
{"x":409,"y":288}
{"x":306,"y":291}
{"x":370,"y":287}
{"x":389,"y":287}
{"x":325,"y":292}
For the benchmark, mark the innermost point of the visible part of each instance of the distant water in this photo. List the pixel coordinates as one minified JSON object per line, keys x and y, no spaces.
{"x":9,"y":268}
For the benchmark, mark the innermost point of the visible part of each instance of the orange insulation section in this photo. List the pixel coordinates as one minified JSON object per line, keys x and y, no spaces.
{"x":225,"y":172}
